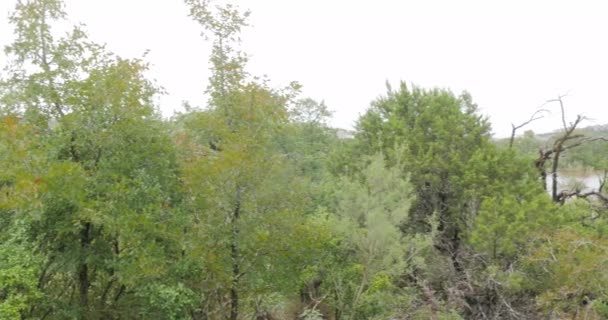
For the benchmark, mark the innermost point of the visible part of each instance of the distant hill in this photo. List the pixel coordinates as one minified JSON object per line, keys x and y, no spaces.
{"x":593,"y":130}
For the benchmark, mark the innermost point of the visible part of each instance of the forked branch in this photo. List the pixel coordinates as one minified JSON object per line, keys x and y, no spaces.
{"x":535,"y":116}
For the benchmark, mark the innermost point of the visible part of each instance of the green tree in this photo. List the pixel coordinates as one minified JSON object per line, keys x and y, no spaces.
{"x":512,"y":209}
{"x":244,"y":194}
{"x":440,"y":133}
{"x":104,"y":180}
{"x":308,"y":140}
{"x":20,"y":264}
{"x":372,"y":253}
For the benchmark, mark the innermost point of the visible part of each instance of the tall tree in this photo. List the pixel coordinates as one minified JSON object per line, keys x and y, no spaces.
{"x":105,"y":172}
{"x":243,"y":190}
{"x":440,"y":133}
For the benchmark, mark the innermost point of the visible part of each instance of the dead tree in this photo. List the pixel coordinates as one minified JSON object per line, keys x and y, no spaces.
{"x":567,"y":140}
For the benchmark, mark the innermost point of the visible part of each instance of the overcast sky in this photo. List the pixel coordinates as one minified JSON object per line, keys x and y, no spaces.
{"x":510,"y":55}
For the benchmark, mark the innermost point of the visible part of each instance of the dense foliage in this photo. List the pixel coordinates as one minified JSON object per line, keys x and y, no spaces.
{"x":252,"y":207}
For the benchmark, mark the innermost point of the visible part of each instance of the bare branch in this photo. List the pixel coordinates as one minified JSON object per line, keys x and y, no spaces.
{"x":559,"y":99}
{"x":535,"y":116}
{"x":577,"y":193}
{"x":558,"y":148}
{"x":583,"y":142}
{"x":603,"y":181}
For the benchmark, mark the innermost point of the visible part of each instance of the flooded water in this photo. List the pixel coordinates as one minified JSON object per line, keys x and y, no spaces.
{"x":565,"y":182}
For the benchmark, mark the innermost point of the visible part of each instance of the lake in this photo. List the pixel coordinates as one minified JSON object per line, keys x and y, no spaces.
{"x":569,"y":182}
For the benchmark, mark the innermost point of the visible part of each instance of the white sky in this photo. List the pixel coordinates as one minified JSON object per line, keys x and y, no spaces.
{"x":511,"y":55}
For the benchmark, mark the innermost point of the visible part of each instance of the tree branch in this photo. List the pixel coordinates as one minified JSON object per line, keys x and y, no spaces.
{"x":583,"y":142}
{"x":559,"y":99}
{"x":577,"y":193}
{"x":535,"y":116}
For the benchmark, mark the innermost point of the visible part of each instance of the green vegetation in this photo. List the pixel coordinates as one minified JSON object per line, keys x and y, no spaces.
{"x":251,"y":207}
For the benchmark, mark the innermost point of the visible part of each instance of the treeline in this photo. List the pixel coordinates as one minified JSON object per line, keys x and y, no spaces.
{"x":251,"y":207}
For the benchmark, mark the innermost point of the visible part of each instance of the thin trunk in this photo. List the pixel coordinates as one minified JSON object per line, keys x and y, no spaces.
{"x":235,"y":255}
{"x":109,"y":285}
{"x":46,"y":314}
{"x":450,"y":232}
{"x":455,"y":255}
{"x":112,"y":281}
{"x":543,"y":178}
{"x":121,"y":290}
{"x":83,"y":269}
{"x":358,"y":294}
{"x":54,"y":96}
{"x":554,"y":175}
{"x":222,"y":70}
{"x":42,"y":279}
{"x":539,"y":163}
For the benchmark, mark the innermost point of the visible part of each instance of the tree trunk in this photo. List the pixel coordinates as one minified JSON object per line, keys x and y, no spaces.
{"x":449,"y":232}
{"x":235,"y":255}
{"x":83,"y":270}
{"x":554,"y":194}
